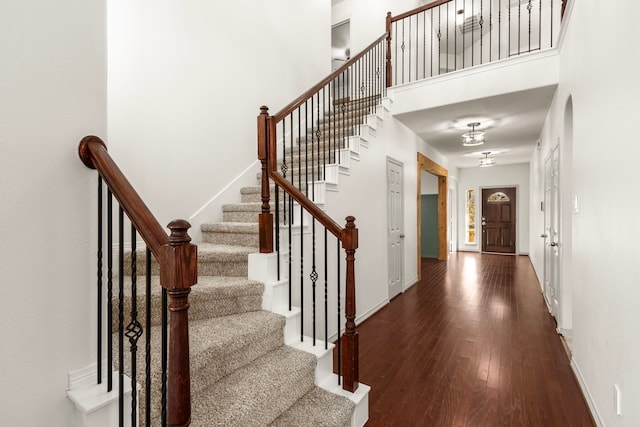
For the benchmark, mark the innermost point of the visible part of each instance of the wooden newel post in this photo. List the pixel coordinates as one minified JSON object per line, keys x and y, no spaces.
{"x":178,"y":272}
{"x":350,"y":379}
{"x":265,"y":219}
{"x":388,"y":26}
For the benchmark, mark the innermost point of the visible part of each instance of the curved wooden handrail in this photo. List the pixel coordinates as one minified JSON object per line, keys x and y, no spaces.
{"x":307,"y":204}
{"x":419,"y":9}
{"x":308,"y":94}
{"x":93,"y":153}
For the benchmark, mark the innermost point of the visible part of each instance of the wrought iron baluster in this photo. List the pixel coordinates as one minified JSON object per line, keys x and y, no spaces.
{"x":110,"y":290}
{"x":99,"y":291}
{"x":499,"y":29}
{"x":313,"y":276}
{"x":473,"y":30}
{"x":164,"y":356}
{"x":455,"y":39}
{"x":290,"y":240}
{"x":540,"y":24}
{"x":447,"y":50}
{"x":148,"y":304}
{"x":277,"y":219}
{"x":339,"y":314}
{"x":306,"y":150}
{"x":424,"y":44}
{"x":134,"y":329}
{"x":481,"y":23}
{"x":326,"y":293}
{"x":409,"y":65}
{"x":402,"y":46}
{"x":529,"y":7}
{"x":519,"y":24}
{"x":439,"y":40}
{"x":121,"y":316}
{"x":490,"y":31}
{"x":284,"y":167}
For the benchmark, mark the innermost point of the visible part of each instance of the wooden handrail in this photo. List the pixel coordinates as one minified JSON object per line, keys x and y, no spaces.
{"x":308,"y":94}
{"x":307,"y":204}
{"x":178,"y":260}
{"x":93,"y":153}
{"x":419,"y":9}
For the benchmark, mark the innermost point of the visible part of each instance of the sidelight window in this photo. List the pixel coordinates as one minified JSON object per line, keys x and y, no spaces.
{"x":470,"y":218}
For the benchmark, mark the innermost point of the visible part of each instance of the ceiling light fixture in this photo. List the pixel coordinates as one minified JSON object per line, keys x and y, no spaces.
{"x":487,"y":161}
{"x":473,"y":137}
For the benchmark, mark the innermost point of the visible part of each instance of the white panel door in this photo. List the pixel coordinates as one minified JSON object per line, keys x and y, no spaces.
{"x":395,"y":227}
{"x":551,"y":233}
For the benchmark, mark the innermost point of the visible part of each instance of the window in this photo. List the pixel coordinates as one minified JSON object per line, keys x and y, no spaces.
{"x":498,"y":196}
{"x":470,"y":221}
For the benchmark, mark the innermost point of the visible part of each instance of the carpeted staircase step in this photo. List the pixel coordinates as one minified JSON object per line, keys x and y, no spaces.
{"x":231,"y":233}
{"x":213,"y":260}
{"x":218,"y":347}
{"x":253,"y":194}
{"x":258,"y":393}
{"x":241,"y":212}
{"x":317,"y":408}
{"x":212,"y":296}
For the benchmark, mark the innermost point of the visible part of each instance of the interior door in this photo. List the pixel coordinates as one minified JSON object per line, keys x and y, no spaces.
{"x":551,"y":233}
{"x":395,"y":222}
{"x":499,"y":220}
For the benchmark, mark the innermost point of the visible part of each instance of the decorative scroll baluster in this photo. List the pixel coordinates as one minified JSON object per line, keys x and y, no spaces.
{"x":529,"y":7}
{"x":481,"y":23}
{"x":133,"y":329}
{"x":313,"y":276}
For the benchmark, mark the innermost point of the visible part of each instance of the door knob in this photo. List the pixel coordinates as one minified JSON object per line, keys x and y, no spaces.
{"x":402,"y":236}
{"x":553,"y":244}
{"x":544,"y":236}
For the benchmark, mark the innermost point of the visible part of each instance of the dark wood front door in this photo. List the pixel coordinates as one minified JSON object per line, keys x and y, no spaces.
{"x":499,"y":220}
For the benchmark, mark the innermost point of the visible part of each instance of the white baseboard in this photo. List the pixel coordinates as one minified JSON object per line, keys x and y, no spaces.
{"x":409,"y":284}
{"x":364,"y":316}
{"x":587,"y":394}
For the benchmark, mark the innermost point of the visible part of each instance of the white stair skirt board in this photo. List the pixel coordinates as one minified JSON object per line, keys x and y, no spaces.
{"x":94,"y":405}
{"x":344,"y":161}
{"x":366,"y":132}
{"x":353,"y":142}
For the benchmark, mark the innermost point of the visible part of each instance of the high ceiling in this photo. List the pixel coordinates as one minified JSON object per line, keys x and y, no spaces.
{"x":512,"y":123}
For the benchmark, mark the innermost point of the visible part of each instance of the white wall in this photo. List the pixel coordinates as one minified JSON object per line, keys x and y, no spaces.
{"x":516,"y":175}
{"x":53,"y":92}
{"x":603,"y":165}
{"x":186,"y":80}
{"x":367,"y":18}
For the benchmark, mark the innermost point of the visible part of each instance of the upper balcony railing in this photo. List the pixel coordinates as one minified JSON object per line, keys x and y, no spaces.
{"x":445,"y":36}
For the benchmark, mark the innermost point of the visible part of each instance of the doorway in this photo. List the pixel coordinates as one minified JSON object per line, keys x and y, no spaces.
{"x":428,"y":165}
{"x":395,"y":226}
{"x":499,"y":220}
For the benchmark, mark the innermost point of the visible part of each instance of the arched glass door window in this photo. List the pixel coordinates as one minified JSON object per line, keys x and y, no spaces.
{"x":498,"y":196}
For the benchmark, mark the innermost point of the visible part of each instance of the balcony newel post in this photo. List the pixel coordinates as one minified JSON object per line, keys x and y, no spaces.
{"x":265,"y":219}
{"x":350,"y":336}
{"x":178,"y":272}
{"x":388,"y":26}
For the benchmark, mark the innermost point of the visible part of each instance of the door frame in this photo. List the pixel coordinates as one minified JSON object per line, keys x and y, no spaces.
{"x":516,"y":230}
{"x":428,"y":165}
{"x":514,"y":215}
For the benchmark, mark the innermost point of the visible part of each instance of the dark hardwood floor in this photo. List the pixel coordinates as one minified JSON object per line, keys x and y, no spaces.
{"x":471,"y":344}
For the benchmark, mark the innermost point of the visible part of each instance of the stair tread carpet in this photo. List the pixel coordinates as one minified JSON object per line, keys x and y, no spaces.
{"x":318,"y":408}
{"x":257,"y":393}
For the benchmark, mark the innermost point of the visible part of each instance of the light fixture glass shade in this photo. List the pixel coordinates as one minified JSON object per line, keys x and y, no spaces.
{"x":473,"y":137}
{"x":487,"y":161}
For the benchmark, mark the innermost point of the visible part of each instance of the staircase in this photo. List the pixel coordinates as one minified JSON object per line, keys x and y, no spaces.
{"x":248,"y":366}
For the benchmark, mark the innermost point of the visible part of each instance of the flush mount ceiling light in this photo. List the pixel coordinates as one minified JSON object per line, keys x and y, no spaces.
{"x":473,"y":137}
{"x":487,"y":161}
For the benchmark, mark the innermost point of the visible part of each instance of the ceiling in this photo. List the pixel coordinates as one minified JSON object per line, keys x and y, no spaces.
{"x":512,"y":123}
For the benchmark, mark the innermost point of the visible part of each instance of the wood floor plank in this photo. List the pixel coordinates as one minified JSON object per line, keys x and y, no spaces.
{"x":471,"y":344}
